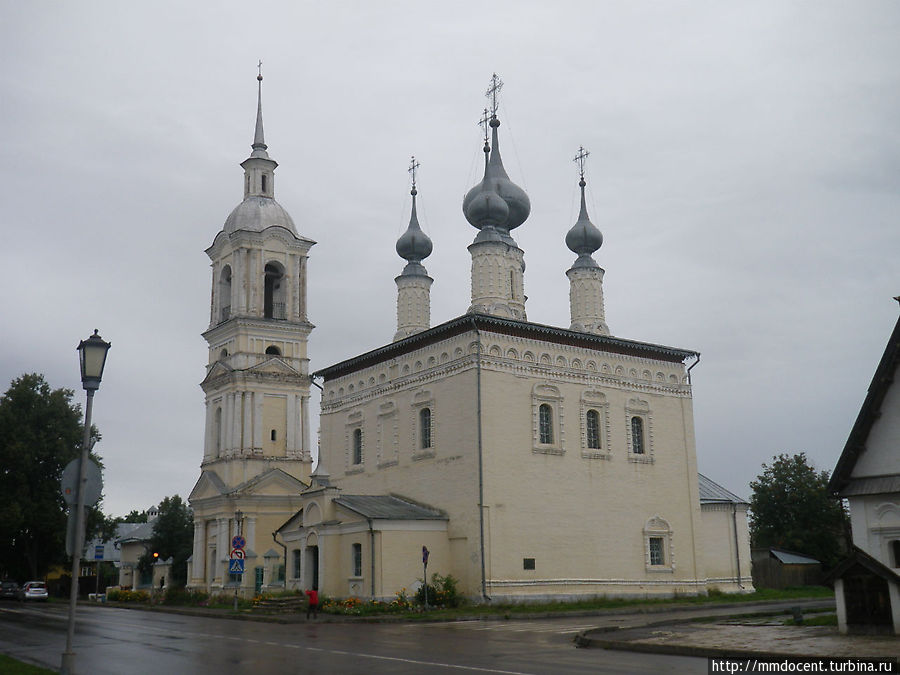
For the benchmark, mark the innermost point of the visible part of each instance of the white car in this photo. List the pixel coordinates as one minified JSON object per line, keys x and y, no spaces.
{"x":34,"y":590}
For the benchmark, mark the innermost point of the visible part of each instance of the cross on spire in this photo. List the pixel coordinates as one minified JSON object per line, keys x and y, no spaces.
{"x":483,"y":123}
{"x":413,"y":165}
{"x":579,"y":159}
{"x":493,"y":93}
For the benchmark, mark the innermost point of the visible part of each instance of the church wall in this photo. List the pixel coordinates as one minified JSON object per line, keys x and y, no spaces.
{"x":581,"y":514}
{"x":385,"y":401}
{"x":584,"y":515}
{"x":881,"y":456}
{"x":718,"y":547}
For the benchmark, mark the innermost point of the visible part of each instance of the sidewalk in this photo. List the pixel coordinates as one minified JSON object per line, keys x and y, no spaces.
{"x":743,"y":637}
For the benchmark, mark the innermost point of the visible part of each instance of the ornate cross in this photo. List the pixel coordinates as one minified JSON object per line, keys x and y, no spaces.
{"x":259,"y":69}
{"x":493,"y":92}
{"x":413,"y":165}
{"x":483,"y":123}
{"x":579,"y":159}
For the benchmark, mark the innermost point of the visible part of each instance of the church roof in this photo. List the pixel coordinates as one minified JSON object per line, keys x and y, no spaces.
{"x":713,"y":493}
{"x":493,"y":324}
{"x":387,"y":507}
{"x":869,"y":412}
{"x":256,"y":213}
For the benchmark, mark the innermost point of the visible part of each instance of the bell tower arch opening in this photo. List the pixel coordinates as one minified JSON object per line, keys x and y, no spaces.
{"x":274,"y":292}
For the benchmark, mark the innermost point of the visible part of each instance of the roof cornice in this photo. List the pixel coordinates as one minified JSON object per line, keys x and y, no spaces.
{"x":493,"y":324}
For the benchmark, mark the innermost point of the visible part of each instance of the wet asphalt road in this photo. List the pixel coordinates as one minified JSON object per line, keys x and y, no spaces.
{"x":122,"y":641}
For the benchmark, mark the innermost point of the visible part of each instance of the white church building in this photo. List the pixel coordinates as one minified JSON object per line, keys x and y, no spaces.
{"x":532,"y":461}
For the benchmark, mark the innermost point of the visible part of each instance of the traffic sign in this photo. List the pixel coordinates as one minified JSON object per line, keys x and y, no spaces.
{"x":237,"y":554}
{"x":93,"y":482}
{"x":425,"y":553}
{"x":98,"y":552}
{"x":237,"y":541}
{"x":236,"y":566}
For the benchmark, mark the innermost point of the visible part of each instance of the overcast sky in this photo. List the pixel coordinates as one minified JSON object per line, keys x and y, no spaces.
{"x":744,"y":170}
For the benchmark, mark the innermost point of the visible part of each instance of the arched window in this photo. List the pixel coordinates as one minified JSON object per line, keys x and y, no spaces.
{"x":545,"y":423}
{"x":592,"y":427}
{"x":225,"y":294}
{"x":217,"y":431}
{"x":264,"y":184}
{"x":637,"y":435}
{"x":425,"y":428}
{"x":272,"y":350}
{"x":273,"y":295}
{"x":357,"y":446}
{"x":357,"y":560}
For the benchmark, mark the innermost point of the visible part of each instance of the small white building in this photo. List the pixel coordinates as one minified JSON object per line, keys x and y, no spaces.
{"x":867,"y":475}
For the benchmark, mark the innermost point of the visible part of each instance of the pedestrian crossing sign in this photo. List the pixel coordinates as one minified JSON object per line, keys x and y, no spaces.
{"x":236,"y":566}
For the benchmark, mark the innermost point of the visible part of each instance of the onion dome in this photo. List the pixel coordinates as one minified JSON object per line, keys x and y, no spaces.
{"x":496,"y":202}
{"x":584,"y":238}
{"x":414,"y":245}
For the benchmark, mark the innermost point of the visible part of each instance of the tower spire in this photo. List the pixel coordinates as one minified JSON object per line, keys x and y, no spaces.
{"x":259,"y":141}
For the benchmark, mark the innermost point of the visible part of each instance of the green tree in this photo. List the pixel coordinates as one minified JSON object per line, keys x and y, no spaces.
{"x":40,"y":432}
{"x":790,"y":508}
{"x":173,"y":537}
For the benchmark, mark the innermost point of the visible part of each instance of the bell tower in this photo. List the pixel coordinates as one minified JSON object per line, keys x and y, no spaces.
{"x":257,"y":382}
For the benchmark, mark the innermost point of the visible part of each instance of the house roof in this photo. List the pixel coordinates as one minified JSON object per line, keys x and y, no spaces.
{"x":141,"y":532}
{"x":791,"y":558}
{"x":860,"y":557}
{"x":868,"y":413}
{"x":387,"y":507}
{"x":493,"y":324}
{"x":713,"y":493}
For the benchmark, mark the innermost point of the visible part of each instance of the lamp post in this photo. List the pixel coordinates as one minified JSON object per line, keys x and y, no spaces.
{"x":92,"y":355}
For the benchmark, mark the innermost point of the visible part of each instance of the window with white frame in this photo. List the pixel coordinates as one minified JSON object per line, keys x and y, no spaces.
{"x":637,"y":435}
{"x":423,"y":419}
{"x":545,"y":424}
{"x":592,"y":429}
{"x":547,"y":419}
{"x":357,"y":446}
{"x":425,"y":428}
{"x":357,"y":560}
{"x":594,"y":425}
{"x":639,"y":430}
{"x":355,"y":442}
{"x":658,"y":549}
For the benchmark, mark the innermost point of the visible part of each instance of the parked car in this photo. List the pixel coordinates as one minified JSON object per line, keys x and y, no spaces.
{"x":33,"y":590}
{"x":9,"y":590}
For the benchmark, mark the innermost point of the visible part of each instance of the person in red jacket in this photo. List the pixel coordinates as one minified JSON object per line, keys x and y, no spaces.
{"x":313,"y":606}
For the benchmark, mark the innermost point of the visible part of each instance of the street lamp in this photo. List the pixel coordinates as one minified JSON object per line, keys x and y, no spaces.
{"x":92,"y":356}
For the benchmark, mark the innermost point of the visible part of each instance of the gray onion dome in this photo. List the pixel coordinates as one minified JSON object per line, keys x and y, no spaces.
{"x":414,"y":245}
{"x":496,"y":201}
{"x":584,"y":238}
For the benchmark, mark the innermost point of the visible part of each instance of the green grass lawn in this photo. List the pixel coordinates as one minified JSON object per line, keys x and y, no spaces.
{"x":467,"y":610}
{"x":10,"y":666}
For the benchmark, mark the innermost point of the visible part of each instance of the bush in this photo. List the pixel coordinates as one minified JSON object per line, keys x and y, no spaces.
{"x":127,"y":596}
{"x":442,"y":592}
{"x":183,"y":596}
